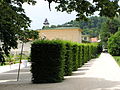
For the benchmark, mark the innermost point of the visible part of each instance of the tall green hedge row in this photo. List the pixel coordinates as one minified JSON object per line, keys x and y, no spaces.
{"x":52,"y":60}
{"x":47,"y":59}
{"x":68,"y":59}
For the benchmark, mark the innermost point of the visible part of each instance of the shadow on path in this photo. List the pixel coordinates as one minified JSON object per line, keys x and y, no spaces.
{"x":78,"y":81}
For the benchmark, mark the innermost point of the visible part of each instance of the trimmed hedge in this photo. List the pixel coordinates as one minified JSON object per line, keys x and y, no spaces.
{"x":75,"y":57}
{"x":47,"y":59}
{"x":80,"y":56}
{"x":51,"y":60}
{"x":68,"y":59}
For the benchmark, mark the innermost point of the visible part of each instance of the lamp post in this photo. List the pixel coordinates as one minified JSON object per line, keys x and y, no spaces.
{"x":20,"y":61}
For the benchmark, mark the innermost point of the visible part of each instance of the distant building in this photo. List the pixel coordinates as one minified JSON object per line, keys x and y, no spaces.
{"x":46,"y":23}
{"x":26,"y":48}
{"x":86,"y":38}
{"x":95,"y":39}
{"x":63,"y":33}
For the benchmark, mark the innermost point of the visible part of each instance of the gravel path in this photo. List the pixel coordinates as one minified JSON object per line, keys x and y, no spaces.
{"x":98,"y":74}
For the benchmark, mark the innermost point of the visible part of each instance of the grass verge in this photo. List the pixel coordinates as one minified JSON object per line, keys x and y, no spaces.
{"x":117,"y":59}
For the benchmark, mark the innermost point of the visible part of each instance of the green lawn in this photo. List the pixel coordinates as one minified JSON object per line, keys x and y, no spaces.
{"x":117,"y":58}
{"x":14,"y":59}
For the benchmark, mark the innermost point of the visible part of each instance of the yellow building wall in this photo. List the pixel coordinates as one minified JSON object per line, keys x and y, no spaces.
{"x":63,"y":34}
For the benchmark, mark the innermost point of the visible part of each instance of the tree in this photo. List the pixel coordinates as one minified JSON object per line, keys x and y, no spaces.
{"x":109,"y":28}
{"x":114,"y":25}
{"x":84,"y":8}
{"x":25,"y":37}
{"x":114,"y":44}
{"x":104,"y":34}
{"x":91,"y":27}
{"x":12,"y":21}
{"x":28,"y":35}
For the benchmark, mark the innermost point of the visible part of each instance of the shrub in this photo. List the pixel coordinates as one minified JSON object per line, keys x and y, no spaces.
{"x":51,"y":60}
{"x":75,"y":56}
{"x":114,"y":44}
{"x":80,"y":56}
{"x":68,"y":59}
{"x":94,"y":50}
{"x":89,"y":52}
{"x":47,"y":61}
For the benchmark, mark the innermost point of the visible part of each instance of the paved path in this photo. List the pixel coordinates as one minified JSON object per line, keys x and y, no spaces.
{"x":11,"y":67}
{"x":98,"y":74}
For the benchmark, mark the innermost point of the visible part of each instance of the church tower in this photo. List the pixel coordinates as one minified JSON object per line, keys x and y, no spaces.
{"x":46,"y":23}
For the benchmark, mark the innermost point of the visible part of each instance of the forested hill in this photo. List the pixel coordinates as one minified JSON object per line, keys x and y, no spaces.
{"x":91,"y":27}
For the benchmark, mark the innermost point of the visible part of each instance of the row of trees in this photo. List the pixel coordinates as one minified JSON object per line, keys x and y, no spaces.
{"x":13,"y":20}
{"x":91,"y":27}
{"x":94,"y":26}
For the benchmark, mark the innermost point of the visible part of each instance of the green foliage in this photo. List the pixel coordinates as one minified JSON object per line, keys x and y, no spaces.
{"x":47,"y":61}
{"x":51,"y":60}
{"x":117,"y":59}
{"x":83,"y":54}
{"x":13,"y":20}
{"x":114,"y":44}
{"x":80,"y":55}
{"x":90,"y":52}
{"x":68,"y":59}
{"x":95,"y":50}
{"x":86,"y":53}
{"x":91,"y":27}
{"x":85,"y":8}
{"x":26,"y":35}
{"x":75,"y":56}
{"x":108,"y":28}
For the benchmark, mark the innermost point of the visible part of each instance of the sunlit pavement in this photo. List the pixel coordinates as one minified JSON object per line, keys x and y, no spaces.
{"x":12,"y":67}
{"x":102,"y":73}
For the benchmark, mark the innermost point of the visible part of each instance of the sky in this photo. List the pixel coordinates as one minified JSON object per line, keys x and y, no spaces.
{"x":40,"y":11}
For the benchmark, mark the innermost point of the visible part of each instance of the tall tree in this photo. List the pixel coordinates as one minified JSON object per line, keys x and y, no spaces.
{"x":12,"y":21}
{"x":109,"y":28}
{"x":109,"y":8}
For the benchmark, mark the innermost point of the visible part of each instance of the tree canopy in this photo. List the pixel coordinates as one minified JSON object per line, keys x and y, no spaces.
{"x":12,"y":22}
{"x":109,"y":28}
{"x":13,"y":19}
{"x":114,"y":44}
{"x":90,"y":27}
{"x":84,"y":8}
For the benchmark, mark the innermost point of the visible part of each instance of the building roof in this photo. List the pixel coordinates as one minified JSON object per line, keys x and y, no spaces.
{"x":63,"y":28}
{"x":85,"y":35}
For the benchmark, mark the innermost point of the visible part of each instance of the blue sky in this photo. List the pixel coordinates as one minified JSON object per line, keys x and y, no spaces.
{"x":40,"y":11}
